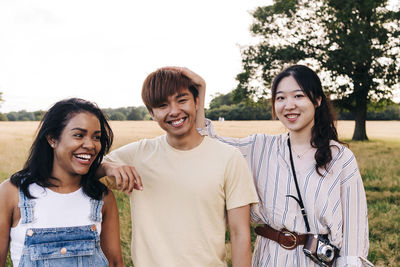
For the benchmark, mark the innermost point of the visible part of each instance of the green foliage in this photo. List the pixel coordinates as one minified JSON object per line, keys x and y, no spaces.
{"x":354,"y":43}
{"x":38,"y":115}
{"x":3,"y":117}
{"x":221,"y":99}
{"x":117,"y":116}
{"x":241,"y":111}
{"x":129,"y":113}
{"x":24,"y":115}
{"x":12,"y":116}
{"x":389,"y":112}
{"x":224,"y":106}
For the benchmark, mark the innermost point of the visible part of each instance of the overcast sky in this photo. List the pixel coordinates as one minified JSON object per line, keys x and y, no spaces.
{"x":103,"y":50}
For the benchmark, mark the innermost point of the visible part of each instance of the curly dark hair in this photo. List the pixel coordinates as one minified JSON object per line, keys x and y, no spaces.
{"x":39,"y":165}
{"x":324,"y":128}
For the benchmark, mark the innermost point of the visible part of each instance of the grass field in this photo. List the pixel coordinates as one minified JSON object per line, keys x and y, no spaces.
{"x":378,"y":159}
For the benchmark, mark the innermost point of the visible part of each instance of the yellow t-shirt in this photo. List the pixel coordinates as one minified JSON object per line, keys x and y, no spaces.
{"x":179,"y":219}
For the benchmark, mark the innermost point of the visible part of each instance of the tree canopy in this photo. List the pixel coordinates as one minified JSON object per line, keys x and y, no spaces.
{"x":353,"y":45}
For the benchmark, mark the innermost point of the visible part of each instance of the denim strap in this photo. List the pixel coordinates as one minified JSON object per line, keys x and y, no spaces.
{"x":95,"y":210}
{"x":26,"y":208}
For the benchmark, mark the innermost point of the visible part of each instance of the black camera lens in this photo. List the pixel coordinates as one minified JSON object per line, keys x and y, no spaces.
{"x":325,"y":253}
{"x":328,"y":253}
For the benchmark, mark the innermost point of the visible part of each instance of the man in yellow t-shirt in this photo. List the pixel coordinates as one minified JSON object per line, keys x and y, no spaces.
{"x":193,"y":185}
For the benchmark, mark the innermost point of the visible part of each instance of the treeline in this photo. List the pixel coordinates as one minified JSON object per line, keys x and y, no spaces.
{"x":118,"y":114}
{"x":224,"y":106}
{"x":221,"y":106}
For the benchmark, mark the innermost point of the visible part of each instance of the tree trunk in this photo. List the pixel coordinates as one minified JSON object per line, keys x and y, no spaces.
{"x":360,"y":131}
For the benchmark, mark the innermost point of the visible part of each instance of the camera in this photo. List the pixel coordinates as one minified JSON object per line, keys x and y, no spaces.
{"x":320,"y":250}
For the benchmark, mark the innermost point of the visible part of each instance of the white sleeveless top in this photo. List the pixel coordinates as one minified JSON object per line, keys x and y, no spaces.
{"x":52,"y":209}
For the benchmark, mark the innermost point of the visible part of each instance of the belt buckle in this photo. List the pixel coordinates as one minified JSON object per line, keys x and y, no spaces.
{"x":287,"y":233}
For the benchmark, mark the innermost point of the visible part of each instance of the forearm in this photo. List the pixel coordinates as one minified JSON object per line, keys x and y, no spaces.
{"x":110,"y":235}
{"x":200,"y":114}
{"x":3,"y":258}
{"x":239,"y":226}
{"x":100,"y":172}
{"x":119,"y":263}
{"x":108,"y":181}
{"x":241,"y":249}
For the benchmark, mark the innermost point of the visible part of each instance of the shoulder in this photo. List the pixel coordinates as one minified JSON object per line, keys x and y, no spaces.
{"x":109,"y":197}
{"x":218,"y":145}
{"x":129,"y":151}
{"x":109,"y":201}
{"x":217,"y":151}
{"x":7,"y":187}
{"x":341,"y":151}
{"x":143,"y":144}
{"x":8,"y":193}
{"x":275,"y":141}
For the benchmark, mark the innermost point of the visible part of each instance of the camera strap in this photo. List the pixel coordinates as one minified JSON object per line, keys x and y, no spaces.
{"x":299,"y":199}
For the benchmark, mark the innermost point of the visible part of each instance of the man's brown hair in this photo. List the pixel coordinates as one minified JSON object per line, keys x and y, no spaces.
{"x":161,"y":84}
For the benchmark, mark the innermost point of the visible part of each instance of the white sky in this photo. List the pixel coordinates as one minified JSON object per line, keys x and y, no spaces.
{"x":103,"y":50}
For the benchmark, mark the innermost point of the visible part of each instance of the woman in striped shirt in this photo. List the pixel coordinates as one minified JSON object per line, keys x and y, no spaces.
{"x":329,"y":181}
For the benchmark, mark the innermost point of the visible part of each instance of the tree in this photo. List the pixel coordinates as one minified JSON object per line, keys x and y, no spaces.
{"x":24,"y":115}
{"x":137,"y":113}
{"x":353,"y":45}
{"x":224,"y":106}
{"x":221,"y":99}
{"x":3,"y":117}
{"x":38,"y":115}
{"x":12,"y":116}
{"x":117,"y":116}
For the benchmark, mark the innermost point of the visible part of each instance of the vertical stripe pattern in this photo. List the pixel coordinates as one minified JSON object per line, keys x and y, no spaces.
{"x":335,"y":203}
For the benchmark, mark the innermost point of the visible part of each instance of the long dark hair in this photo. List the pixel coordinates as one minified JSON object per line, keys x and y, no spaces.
{"x":324,"y":128}
{"x":39,"y":165}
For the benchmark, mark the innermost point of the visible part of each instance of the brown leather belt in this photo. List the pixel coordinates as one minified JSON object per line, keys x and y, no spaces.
{"x":288,"y":240}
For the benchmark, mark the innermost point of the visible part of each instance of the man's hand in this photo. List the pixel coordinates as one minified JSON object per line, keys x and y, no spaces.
{"x":126,"y":177}
{"x":197,"y":80}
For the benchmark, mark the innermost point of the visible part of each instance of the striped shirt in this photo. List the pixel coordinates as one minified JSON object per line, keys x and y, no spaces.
{"x":335,"y":203}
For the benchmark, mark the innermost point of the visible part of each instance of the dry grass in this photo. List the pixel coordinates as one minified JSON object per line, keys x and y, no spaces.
{"x":15,"y":141}
{"x":379,"y":162}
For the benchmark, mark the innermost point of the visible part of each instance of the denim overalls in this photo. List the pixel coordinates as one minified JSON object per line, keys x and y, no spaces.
{"x":61,"y":246}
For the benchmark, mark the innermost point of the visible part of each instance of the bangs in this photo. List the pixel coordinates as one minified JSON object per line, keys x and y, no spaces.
{"x":161,"y":84}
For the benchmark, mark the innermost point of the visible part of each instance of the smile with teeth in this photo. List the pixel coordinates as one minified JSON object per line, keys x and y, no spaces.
{"x":292,"y":116}
{"x":85,"y":157}
{"x":177,"y":122}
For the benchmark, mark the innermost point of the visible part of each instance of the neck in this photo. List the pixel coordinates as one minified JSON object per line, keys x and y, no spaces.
{"x":300,"y":138}
{"x":65,"y":182}
{"x":185,"y":142}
